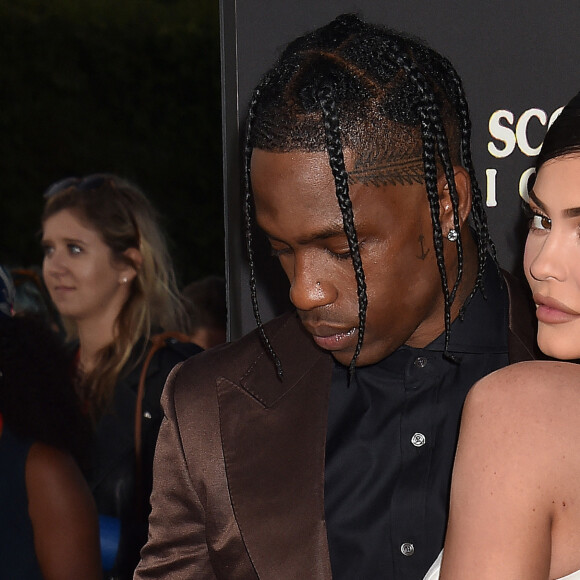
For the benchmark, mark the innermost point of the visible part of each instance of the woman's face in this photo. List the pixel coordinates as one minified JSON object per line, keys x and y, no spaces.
{"x":552,"y":256}
{"x":82,"y":277}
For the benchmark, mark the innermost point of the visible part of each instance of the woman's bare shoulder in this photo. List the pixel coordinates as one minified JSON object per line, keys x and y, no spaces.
{"x":527,"y":412}
{"x":529,"y":385}
{"x":515,"y":478}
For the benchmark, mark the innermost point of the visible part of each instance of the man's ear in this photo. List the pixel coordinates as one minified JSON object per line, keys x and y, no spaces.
{"x":131,"y":265}
{"x":463,"y":186}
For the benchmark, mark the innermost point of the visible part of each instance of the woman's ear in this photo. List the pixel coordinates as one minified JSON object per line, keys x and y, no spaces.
{"x":131,"y":265}
{"x":463,"y":186}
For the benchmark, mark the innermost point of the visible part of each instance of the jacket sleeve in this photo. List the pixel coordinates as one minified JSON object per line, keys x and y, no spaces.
{"x":176,"y":548}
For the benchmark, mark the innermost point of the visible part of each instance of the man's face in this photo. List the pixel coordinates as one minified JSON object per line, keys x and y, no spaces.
{"x":296,"y":206}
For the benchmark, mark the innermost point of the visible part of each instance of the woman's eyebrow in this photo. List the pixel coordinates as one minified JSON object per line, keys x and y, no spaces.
{"x":571,"y":212}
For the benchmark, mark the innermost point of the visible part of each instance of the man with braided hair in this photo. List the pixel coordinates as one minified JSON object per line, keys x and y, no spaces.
{"x":321,"y":445}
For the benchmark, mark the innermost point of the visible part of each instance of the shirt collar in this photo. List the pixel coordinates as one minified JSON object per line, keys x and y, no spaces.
{"x":483,"y":328}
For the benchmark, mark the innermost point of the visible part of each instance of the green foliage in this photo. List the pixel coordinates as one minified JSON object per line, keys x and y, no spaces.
{"x":129,"y":87}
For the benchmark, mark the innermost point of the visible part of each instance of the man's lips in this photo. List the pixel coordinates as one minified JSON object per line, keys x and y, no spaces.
{"x":332,"y":338}
{"x":552,"y":311}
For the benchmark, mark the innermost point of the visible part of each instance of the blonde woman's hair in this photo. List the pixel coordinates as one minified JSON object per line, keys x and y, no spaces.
{"x":124,"y":217}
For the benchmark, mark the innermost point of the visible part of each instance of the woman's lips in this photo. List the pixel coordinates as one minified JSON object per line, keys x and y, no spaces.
{"x":336,"y":341}
{"x":61,"y":290}
{"x":552,"y":311}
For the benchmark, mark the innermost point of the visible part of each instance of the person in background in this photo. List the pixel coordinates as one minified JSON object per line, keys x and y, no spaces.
{"x":205,"y":303}
{"x":321,"y":445}
{"x":32,"y":297}
{"x":108,"y":271}
{"x":515,"y":502}
{"x":7,"y":292}
{"x":49,"y":527}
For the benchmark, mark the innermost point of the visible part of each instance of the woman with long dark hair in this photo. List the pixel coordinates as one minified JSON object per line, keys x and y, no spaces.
{"x":515,"y":501}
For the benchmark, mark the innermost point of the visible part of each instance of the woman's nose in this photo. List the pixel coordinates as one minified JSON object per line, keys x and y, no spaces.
{"x":546,"y":257}
{"x":53,"y":263}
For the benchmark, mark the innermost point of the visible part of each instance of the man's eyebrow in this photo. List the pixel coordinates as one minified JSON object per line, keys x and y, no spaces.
{"x":570,"y":212}
{"x":330,"y":231}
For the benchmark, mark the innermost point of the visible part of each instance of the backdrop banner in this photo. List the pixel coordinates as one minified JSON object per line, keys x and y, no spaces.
{"x":518,"y":63}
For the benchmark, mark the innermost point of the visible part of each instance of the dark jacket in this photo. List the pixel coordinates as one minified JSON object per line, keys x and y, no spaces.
{"x":239,"y":467}
{"x":112,"y":473}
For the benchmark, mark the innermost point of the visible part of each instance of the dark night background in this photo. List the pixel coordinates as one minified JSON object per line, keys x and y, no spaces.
{"x":129,"y":87}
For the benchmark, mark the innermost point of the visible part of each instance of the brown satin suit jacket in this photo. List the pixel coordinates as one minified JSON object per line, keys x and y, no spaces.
{"x":239,"y":468}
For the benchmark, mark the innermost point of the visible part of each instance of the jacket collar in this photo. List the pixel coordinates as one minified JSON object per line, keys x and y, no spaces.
{"x":298,"y":354}
{"x":274,"y":454}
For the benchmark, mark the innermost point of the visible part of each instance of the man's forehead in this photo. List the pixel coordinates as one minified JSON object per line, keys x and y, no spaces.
{"x":391,"y":166}
{"x":283,"y":176}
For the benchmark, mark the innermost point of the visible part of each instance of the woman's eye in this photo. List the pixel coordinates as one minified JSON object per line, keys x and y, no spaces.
{"x":540,"y":222}
{"x":74,"y":249}
{"x":47,"y":250}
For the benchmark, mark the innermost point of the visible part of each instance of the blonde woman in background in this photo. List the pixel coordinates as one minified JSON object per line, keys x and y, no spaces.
{"x":108,"y":271}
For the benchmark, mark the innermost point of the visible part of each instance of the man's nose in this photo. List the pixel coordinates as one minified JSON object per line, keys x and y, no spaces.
{"x":309,"y":289}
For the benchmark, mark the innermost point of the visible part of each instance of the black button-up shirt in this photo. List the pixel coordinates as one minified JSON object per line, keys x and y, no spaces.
{"x":391,"y":443}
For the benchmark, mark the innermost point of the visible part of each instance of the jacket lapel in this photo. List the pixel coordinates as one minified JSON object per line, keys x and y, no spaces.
{"x":273,"y":436}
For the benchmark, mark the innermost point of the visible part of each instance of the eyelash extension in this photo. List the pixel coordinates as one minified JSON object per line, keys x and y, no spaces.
{"x":527,"y":210}
{"x":530,"y":214}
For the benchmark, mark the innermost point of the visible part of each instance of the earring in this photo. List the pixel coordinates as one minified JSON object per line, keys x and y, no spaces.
{"x":452,"y":235}
{"x":124,"y":280}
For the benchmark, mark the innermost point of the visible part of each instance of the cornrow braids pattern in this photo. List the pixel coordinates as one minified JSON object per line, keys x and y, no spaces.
{"x":374,"y":91}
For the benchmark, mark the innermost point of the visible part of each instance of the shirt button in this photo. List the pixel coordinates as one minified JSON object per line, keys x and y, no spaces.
{"x":420,"y":362}
{"x":147,"y":415}
{"x":418,"y":440}
{"x":407,"y":549}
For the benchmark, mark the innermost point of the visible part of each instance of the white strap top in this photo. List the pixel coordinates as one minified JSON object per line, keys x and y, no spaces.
{"x":433,"y":573}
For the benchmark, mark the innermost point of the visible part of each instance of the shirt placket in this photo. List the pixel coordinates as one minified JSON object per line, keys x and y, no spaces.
{"x":417,"y":444}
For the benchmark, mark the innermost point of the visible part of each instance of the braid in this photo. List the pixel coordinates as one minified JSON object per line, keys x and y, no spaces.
{"x":484,"y":242}
{"x":248,"y":210}
{"x":435,"y":141}
{"x":336,"y":157}
{"x":430,"y":165}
